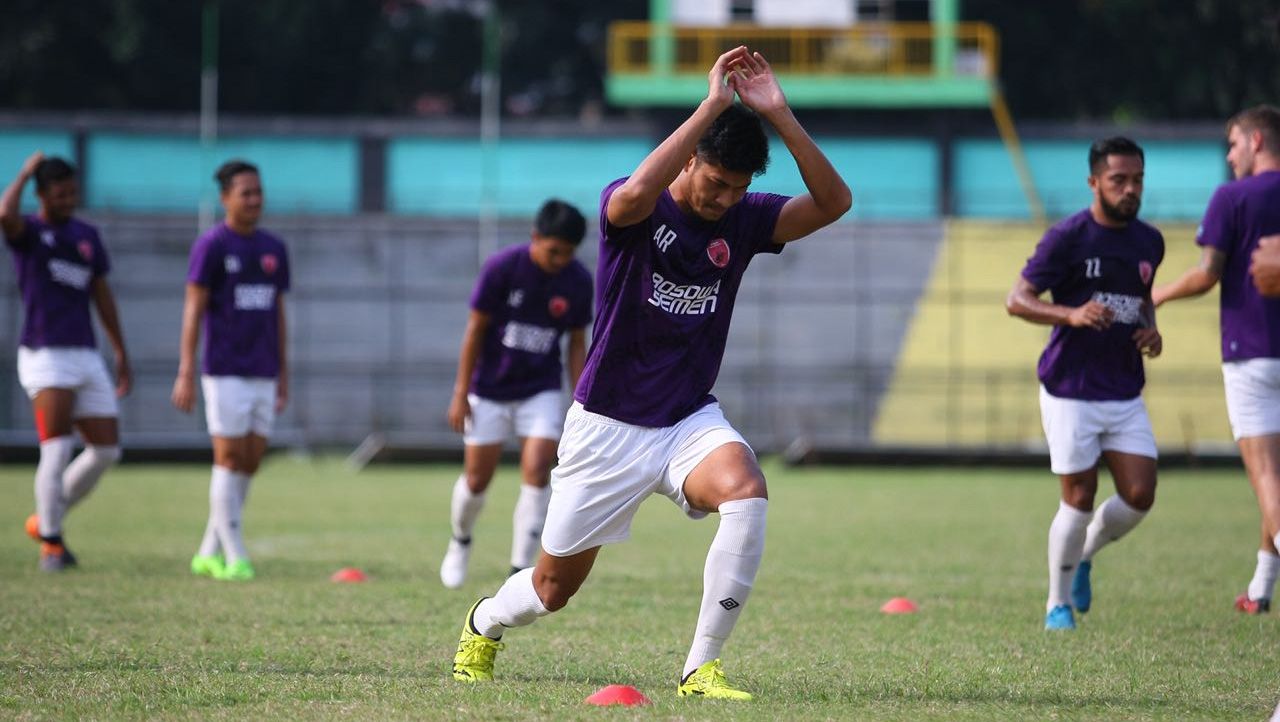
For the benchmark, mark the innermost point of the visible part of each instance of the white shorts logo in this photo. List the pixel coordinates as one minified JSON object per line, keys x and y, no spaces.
{"x":255,"y":297}
{"x":69,"y":274}
{"x":527,"y":337}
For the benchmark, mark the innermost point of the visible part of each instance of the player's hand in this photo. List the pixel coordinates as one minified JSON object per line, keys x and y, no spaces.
{"x":29,"y":166}
{"x":756,"y":85}
{"x":459,"y":411}
{"x":1264,"y":266}
{"x":124,"y":377}
{"x":1091,"y":315}
{"x":282,"y":393}
{"x":184,"y":393}
{"x":719,"y":88}
{"x":1148,"y":341}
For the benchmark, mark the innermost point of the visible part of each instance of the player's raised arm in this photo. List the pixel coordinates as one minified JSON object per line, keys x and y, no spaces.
{"x":1024,"y":302}
{"x":10,"y":214}
{"x":829,"y":197}
{"x":1196,"y":281}
{"x":635,"y":200}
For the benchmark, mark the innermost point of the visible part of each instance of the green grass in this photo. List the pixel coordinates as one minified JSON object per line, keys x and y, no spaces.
{"x":133,"y":635}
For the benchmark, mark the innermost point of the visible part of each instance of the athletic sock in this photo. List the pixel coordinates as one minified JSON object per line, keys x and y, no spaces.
{"x":1263,"y":584}
{"x":242,"y":487}
{"x":1066,"y":542}
{"x":516,"y":604}
{"x":85,"y":470}
{"x":224,"y":512}
{"x":209,"y":544}
{"x":530,"y":515}
{"x":464,"y":509}
{"x":1112,"y":520}
{"x":727,"y":577}
{"x":50,"y":506}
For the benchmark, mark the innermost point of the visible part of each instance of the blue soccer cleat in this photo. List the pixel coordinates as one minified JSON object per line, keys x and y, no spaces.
{"x":1059,"y":618}
{"x":1081,"y":589}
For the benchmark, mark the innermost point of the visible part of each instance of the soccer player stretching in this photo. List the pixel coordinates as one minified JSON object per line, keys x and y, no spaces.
{"x":235,"y":284}
{"x":675,"y":239}
{"x":61,"y":267}
{"x":1098,"y":265}
{"x":1239,"y":215}
{"x":508,"y":381}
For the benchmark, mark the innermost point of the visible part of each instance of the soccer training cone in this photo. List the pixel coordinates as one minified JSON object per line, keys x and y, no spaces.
{"x":349,"y":574}
{"x":622,"y":694}
{"x":900,"y":605}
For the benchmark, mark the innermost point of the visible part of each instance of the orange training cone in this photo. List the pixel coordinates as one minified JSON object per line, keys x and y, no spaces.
{"x":622,"y":694}
{"x":349,"y":574}
{"x":900,"y":605}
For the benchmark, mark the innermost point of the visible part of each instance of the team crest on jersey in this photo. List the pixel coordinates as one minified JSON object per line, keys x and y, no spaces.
{"x":557,"y":306}
{"x":718,"y":252}
{"x":47,"y":238}
{"x":86,"y":250}
{"x":269,"y":263}
{"x":231,"y":264}
{"x":1145,"y":271}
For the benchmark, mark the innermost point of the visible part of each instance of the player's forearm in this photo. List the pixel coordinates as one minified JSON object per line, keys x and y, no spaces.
{"x":1030,"y":308}
{"x":828,"y":190}
{"x":637,"y":197}
{"x":577,"y":360}
{"x":283,"y":326}
{"x":467,"y":358}
{"x":110,"y":318}
{"x":10,"y":201}
{"x":1195,"y":282}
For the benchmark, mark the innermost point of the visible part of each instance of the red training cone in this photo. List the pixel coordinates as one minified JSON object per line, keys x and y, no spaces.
{"x":349,"y":574}
{"x":622,"y":694}
{"x":900,"y":605}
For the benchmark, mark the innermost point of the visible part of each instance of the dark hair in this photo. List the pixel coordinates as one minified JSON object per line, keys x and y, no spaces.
{"x":52,"y":170}
{"x":736,"y":142}
{"x":1263,"y":118}
{"x":560,"y":220}
{"x":1116,"y":145}
{"x":227,"y":172}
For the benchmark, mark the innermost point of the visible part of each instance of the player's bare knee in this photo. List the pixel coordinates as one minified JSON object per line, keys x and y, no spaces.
{"x":554,"y":591}
{"x":1141,"y":497}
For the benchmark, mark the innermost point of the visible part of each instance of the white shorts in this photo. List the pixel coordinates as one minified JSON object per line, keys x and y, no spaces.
{"x":1253,"y":396}
{"x":235,"y":406}
{"x":607,"y":468}
{"x":1079,"y":431}
{"x":79,"y":369}
{"x":540,"y":416}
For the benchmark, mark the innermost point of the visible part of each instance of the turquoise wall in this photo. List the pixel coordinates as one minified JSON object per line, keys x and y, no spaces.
{"x":1181,"y":175}
{"x":890,"y":178}
{"x":18,"y":145}
{"x":170,"y":173}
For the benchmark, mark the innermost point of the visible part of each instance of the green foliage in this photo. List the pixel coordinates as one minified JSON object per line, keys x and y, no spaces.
{"x":132,"y":635}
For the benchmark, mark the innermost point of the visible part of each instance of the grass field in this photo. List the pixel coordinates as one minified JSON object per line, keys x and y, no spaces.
{"x":132,"y":635}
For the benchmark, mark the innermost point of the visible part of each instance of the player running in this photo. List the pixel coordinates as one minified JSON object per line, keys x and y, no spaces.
{"x":1240,"y":214}
{"x":509,"y":373}
{"x":675,"y":239}
{"x":1098,"y":265}
{"x":235,"y":284}
{"x":61,"y":268}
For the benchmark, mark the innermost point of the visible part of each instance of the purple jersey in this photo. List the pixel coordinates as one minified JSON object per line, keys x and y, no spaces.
{"x":244,"y":276}
{"x":1239,"y":214}
{"x":56,"y":267}
{"x":1077,"y":261}
{"x":666,"y":288}
{"x":529,"y":310}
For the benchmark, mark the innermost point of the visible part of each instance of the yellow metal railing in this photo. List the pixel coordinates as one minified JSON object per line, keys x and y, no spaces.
{"x":885,"y":49}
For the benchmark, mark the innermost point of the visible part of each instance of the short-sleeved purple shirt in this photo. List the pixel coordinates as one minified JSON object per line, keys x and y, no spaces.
{"x":245,"y":276}
{"x":1239,"y":214}
{"x":56,"y":267}
{"x":529,"y":311}
{"x":665,"y":292}
{"x":1079,"y":260}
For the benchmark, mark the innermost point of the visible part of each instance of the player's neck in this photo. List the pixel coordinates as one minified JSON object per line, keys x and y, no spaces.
{"x":44,"y":216}
{"x":1265,"y":163}
{"x":678,"y":194}
{"x":1101,"y":218}
{"x":241,"y":229}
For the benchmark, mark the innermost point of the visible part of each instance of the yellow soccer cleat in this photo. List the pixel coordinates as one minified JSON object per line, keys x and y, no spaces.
{"x":709,"y":681}
{"x":473,"y":662}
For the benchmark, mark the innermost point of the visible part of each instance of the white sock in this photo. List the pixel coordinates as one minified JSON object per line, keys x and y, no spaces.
{"x":242,"y":486}
{"x":209,"y":545}
{"x":83,"y":473}
{"x":730,"y":571}
{"x":1066,"y":542}
{"x":1263,"y":584}
{"x":515,"y":605}
{"x":224,"y":512}
{"x":464,"y":509}
{"x":530,"y":515}
{"x":1112,"y":520}
{"x":50,"y":506}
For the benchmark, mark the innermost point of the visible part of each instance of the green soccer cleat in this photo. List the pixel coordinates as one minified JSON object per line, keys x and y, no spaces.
{"x":237,"y":571}
{"x":473,"y":662}
{"x":709,"y":681}
{"x":207,"y":565}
